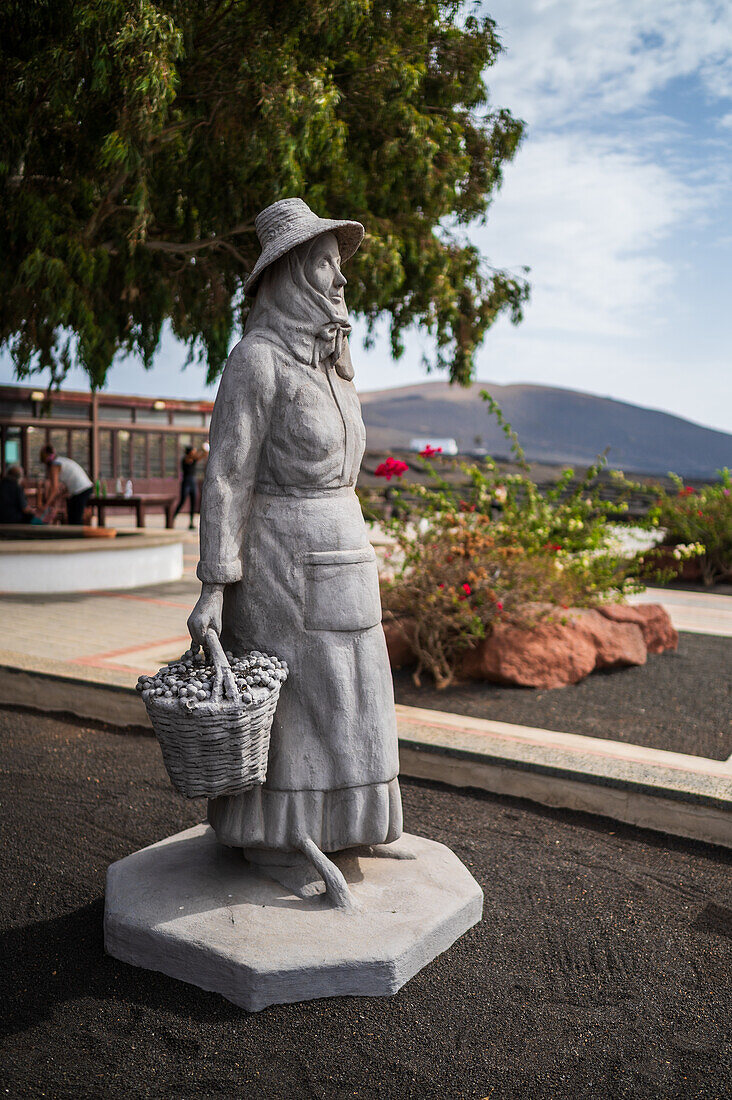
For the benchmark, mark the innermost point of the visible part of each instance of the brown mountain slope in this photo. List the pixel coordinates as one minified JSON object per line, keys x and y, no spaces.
{"x":554,"y":425}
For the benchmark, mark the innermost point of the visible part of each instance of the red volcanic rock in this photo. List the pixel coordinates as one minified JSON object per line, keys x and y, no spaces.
{"x":399,"y":647}
{"x":617,"y":644}
{"x":556,"y":652}
{"x":549,"y":655}
{"x":659,"y":632}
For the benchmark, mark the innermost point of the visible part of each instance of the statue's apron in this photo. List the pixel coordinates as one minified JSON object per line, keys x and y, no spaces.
{"x":310,"y":595}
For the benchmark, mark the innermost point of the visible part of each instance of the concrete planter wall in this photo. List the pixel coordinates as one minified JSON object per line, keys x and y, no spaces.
{"x":82,"y":565}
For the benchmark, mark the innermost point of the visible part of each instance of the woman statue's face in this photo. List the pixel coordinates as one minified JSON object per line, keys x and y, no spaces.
{"x":323,"y":271}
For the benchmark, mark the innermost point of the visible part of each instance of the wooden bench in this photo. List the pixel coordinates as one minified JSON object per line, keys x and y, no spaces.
{"x":141,"y":502}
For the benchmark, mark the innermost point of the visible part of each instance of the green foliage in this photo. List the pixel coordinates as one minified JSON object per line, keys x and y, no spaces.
{"x":139,"y":139}
{"x":502,"y":551}
{"x":700,"y":519}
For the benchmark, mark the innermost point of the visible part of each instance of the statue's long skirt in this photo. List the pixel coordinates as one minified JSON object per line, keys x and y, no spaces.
{"x":310,"y":595}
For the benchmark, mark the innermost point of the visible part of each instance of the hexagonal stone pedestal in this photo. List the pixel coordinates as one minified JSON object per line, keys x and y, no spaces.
{"x":197,"y":911}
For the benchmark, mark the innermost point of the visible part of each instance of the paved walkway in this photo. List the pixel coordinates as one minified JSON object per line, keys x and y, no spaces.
{"x":55,"y":651}
{"x":111,"y":636}
{"x":106,"y":636}
{"x":694,"y":612}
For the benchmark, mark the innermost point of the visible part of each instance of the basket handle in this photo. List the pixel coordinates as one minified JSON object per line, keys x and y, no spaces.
{"x":224,"y":682}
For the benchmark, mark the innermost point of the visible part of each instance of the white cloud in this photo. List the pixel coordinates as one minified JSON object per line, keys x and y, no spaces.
{"x":615,"y":203}
{"x":587,"y":218}
{"x":571,"y":59}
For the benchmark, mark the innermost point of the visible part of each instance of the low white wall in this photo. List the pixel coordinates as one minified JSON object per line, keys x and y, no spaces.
{"x":84,"y":570}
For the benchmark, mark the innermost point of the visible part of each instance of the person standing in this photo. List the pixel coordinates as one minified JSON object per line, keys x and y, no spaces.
{"x":188,"y":488}
{"x":64,"y":473}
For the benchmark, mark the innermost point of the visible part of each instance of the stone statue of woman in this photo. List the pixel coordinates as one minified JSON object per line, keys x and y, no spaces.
{"x":286,"y":564}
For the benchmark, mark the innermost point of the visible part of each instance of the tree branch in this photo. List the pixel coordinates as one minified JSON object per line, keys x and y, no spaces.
{"x":187,"y":248}
{"x":36,"y":178}
{"x":104,"y":209}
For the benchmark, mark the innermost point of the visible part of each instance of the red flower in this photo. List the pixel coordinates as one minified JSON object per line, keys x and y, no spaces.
{"x":499,"y":606}
{"x":429,"y":451}
{"x":465,"y":507}
{"x":391,"y":467}
{"x":552,"y":546}
{"x":467,"y":589}
{"x":440,"y":586}
{"x":687,"y":492}
{"x":699,"y":512}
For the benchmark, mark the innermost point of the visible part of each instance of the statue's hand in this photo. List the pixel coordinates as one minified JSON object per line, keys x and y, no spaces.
{"x":206,"y":615}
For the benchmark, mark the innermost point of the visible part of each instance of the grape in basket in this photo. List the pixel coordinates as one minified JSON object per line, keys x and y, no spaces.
{"x":212,"y":715}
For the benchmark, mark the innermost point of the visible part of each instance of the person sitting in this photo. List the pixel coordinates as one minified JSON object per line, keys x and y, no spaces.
{"x":64,"y":473}
{"x":14,"y":507}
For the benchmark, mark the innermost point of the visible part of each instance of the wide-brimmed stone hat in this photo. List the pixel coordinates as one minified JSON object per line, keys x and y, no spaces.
{"x":290,"y":222}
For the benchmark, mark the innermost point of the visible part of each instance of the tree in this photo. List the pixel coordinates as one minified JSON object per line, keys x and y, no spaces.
{"x":138,"y":140}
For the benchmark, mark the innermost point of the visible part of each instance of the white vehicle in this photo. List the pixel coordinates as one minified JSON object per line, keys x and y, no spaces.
{"x":444,"y":446}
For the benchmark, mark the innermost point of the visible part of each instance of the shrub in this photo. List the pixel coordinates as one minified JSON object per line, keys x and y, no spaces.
{"x":701,"y":518}
{"x":500,"y":550}
{"x":457,"y":581}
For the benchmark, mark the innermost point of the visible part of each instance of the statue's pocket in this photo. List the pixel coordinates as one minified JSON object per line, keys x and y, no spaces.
{"x":342,"y":590}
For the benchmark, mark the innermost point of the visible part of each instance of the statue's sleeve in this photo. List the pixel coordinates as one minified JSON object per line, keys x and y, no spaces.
{"x":239,"y":425}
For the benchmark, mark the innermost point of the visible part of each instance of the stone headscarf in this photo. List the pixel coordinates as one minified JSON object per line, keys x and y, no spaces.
{"x":289,"y":309}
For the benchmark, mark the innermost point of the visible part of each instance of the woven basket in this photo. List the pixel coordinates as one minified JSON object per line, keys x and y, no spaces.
{"x":220,"y":746}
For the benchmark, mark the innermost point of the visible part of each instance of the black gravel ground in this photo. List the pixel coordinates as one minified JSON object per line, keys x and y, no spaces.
{"x":678,"y":701}
{"x":602,"y":967}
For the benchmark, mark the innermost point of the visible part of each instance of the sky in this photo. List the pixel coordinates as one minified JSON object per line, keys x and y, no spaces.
{"x":619,"y":201}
